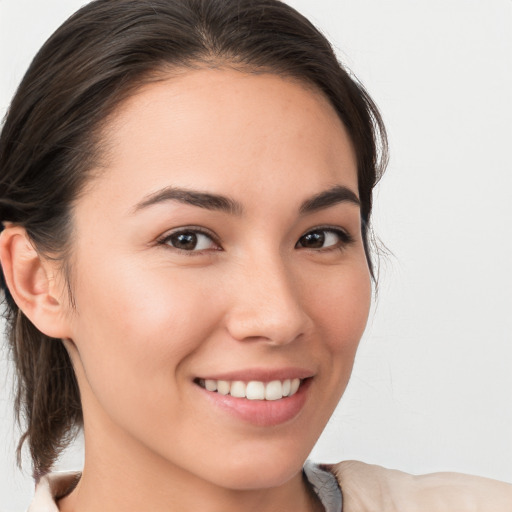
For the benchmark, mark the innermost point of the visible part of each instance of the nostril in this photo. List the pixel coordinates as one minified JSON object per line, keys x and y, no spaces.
{"x":278,"y":328}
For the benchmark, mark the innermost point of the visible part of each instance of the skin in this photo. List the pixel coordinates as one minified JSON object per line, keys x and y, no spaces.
{"x":151,"y":318}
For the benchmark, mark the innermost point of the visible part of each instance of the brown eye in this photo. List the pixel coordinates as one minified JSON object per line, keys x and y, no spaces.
{"x":190,"y":241}
{"x":324,"y":239}
{"x":313,"y":240}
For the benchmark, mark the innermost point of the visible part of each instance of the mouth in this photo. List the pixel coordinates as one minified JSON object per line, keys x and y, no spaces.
{"x":261,"y":403}
{"x":261,"y":397}
{"x":254,"y":389}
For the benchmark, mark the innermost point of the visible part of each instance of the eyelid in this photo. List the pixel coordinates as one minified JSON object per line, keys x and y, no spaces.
{"x":346,"y":238}
{"x":163,"y":239}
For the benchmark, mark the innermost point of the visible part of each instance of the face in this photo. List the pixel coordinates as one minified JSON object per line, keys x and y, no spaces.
{"x":219,"y":254}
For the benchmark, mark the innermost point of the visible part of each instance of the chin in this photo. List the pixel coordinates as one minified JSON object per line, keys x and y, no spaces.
{"x":271,"y":474}
{"x":269,"y":467}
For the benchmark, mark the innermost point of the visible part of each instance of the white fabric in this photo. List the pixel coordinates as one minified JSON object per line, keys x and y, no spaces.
{"x":50,"y":486}
{"x":369,"y":488}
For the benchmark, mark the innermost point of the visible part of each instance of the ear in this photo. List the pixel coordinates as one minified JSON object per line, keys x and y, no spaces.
{"x":33,"y":283}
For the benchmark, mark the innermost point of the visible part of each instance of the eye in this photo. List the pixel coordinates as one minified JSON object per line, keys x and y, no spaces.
{"x":190,"y":240}
{"x":324,"y":238}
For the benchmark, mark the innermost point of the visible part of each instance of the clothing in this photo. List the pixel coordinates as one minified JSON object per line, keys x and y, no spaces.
{"x":371,"y":488}
{"x":325,"y":485}
{"x":56,"y":485}
{"x":366,"y":488}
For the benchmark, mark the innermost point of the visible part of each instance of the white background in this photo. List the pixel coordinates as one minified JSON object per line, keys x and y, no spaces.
{"x":432,"y":385}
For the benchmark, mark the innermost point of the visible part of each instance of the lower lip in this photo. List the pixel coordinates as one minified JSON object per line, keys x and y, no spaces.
{"x":262,"y":413}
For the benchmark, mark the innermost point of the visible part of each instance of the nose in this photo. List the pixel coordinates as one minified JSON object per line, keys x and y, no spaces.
{"x":266,"y":303}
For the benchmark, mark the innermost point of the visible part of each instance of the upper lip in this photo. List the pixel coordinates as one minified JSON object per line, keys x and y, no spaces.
{"x":261,"y":374}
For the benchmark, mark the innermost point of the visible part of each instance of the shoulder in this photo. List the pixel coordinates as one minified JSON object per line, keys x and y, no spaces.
{"x":369,"y":488}
{"x":365,"y":488}
{"x":50,"y":488}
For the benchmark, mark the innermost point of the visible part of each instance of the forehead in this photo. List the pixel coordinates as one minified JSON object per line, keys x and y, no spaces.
{"x":225,"y":128}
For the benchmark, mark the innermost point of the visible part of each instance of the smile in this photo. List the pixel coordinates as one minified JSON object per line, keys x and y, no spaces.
{"x":254,"y":389}
{"x":262,"y":397}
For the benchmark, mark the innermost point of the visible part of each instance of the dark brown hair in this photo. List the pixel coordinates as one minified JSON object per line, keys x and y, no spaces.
{"x":50,"y":142}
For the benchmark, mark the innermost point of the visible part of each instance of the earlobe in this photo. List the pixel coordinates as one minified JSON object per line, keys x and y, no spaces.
{"x":32,"y":283}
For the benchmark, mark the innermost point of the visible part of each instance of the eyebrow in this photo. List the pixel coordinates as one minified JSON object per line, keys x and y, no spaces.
{"x":201,"y":199}
{"x":328,"y":198}
{"x":217,"y":202}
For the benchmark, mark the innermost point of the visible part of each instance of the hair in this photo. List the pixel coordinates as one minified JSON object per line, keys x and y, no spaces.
{"x":51,"y":142}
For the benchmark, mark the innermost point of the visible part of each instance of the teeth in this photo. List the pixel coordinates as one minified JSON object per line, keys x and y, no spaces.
{"x":274,"y":390}
{"x":294,"y":386}
{"x":253,"y":390}
{"x":210,"y":385}
{"x":223,"y":387}
{"x":238,"y":389}
{"x":287,"y":385}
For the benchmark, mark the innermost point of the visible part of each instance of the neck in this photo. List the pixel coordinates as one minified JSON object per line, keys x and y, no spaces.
{"x":93,"y":493}
{"x":126,"y":476}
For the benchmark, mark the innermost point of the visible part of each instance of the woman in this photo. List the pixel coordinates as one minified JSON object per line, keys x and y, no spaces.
{"x":186,"y":195}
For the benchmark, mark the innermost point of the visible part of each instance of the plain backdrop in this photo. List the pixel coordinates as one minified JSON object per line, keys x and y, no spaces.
{"x":432,"y":384}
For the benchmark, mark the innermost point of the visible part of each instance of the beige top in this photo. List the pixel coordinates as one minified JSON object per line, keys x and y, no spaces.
{"x":365,"y":488}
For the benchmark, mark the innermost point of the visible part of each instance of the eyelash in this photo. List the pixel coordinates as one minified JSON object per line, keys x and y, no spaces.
{"x":345,"y":239}
{"x":165,"y":240}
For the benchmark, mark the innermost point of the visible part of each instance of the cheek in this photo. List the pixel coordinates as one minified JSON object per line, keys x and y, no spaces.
{"x":341,"y":308}
{"x":134,"y":328}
